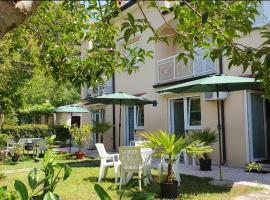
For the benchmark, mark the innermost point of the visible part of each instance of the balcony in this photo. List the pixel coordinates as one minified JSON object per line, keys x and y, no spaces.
{"x":100,"y":89}
{"x":168,"y":69}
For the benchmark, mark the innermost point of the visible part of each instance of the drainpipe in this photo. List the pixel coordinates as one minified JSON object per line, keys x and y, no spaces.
{"x":113,"y":111}
{"x":224,"y":152}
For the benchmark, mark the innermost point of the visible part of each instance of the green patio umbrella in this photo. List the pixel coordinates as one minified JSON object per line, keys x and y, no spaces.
{"x":216,"y":83}
{"x":70,"y":109}
{"x":120,"y":99}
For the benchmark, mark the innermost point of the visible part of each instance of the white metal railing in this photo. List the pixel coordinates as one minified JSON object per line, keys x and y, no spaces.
{"x":100,"y":89}
{"x":168,"y":69}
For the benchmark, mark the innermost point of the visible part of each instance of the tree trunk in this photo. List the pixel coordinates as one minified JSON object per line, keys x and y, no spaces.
{"x":169,"y":177}
{"x":13,"y":13}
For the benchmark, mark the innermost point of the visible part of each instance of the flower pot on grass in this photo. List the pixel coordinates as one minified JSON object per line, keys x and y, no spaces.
{"x":169,"y":190}
{"x":80,"y":135}
{"x":15,"y":158}
{"x":79,"y":155}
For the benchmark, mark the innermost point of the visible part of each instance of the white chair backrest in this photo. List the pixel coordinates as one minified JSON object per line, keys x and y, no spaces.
{"x":101,"y":150}
{"x":10,"y":142}
{"x":130,"y":157}
{"x":139,"y":143}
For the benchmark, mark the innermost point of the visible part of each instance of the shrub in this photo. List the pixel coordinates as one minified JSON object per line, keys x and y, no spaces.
{"x":61,"y":132}
{"x":27,"y":131}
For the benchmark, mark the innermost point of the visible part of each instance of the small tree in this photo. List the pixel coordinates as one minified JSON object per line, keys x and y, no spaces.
{"x":100,"y":128}
{"x":166,"y":144}
{"x":81,"y":134}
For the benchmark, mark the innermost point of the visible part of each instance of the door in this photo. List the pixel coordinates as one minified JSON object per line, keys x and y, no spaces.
{"x":177,"y":117}
{"x":76,"y":121}
{"x":130,"y":125}
{"x":97,"y":117}
{"x":257,"y":134}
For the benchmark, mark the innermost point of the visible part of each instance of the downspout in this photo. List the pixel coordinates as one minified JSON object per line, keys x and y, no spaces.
{"x":113,"y":111}
{"x":224,"y":151}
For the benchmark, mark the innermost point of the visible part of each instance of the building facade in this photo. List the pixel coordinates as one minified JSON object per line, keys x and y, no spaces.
{"x":245,"y":114}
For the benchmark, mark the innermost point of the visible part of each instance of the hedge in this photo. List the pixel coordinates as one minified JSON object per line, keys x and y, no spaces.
{"x":35,"y":131}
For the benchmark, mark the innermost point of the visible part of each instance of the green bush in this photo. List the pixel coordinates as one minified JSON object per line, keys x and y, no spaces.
{"x":61,"y":132}
{"x":35,"y":131}
{"x":27,"y":131}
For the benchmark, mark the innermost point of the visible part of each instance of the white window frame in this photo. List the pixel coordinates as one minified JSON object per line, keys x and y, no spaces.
{"x":186,"y":119}
{"x":136,"y":127}
{"x":187,"y":109}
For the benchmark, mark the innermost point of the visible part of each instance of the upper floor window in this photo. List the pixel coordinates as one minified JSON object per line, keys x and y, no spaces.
{"x":264,"y":14}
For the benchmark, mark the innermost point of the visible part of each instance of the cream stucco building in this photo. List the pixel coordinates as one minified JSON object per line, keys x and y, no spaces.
{"x":245,"y":114}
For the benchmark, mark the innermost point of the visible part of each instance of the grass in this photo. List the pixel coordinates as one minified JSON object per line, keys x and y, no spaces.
{"x":84,"y":175}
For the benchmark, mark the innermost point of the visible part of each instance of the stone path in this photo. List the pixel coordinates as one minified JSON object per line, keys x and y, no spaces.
{"x":12,"y":171}
{"x":264,"y":195}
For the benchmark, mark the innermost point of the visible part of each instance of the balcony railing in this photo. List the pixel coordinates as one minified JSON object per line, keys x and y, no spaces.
{"x":168,"y":69}
{"x":101,"y":89}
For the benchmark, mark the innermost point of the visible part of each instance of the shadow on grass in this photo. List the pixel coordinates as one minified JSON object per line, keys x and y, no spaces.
{"x":83,"y":163}
{"x":190,"y":185}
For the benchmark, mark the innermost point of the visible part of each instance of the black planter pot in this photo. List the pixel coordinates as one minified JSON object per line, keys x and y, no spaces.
{"x":168,"y":190}
{"x":205,"y":164}
{"x":15,"y":158}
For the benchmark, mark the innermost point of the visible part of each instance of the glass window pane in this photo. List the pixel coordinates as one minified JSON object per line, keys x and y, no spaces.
{"x":140,"y":116}
{"x":195,"y":112}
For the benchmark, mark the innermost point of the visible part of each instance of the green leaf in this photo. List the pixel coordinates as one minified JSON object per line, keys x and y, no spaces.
{"x":50,"y":196}
{"x":144,"y":196}
{"x":103,"y":195}
{"x":204,"y":17}
{"x":33,"y":177}
{"x":127,"y":34}
{"x":21,"y":189}
{"x":131,"y":19}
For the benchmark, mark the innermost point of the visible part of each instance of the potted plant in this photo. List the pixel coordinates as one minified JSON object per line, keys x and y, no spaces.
{"x":80,"y":135}
{"x":16,"y":152}
{"x":169,"y":145}
{"x":100,"y":128}
{"x":207,"y":137}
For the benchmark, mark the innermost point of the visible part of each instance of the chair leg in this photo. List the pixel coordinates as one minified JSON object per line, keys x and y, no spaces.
{"x":194,"y":160}
{"x":177,"y":174}
{"x":122,"y":178}
{"x":105,"y":172}
{"x":140,"y":180}
{"x":101,"y":173}
{"x":185,"y":158}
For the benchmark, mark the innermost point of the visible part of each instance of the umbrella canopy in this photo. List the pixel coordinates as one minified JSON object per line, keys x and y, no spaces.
{"x":210,"y":84}
{"x":118,"y":98}
{"x":71,"y":109}
{"x":216,"y":84}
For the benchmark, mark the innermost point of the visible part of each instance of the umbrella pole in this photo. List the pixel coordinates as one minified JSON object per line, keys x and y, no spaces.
{"x":70,"y":136}
{"x":119,"y":135}
{"x":219,"y":137}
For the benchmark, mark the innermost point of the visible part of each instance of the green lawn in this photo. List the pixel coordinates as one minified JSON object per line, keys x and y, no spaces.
{"x":85,"y":174}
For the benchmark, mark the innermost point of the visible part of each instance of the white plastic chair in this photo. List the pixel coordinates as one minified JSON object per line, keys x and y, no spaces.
{"x":40,"y":147}
{"x":132,"y":162}
{"x":106,"y":161}
{"x":10,"y":146}
{"x":175,"y":167}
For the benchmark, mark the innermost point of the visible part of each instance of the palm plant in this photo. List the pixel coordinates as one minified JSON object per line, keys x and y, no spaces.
{"x":166,"y":144}
{"x":101,"y":128}
{"x":206,"y":136}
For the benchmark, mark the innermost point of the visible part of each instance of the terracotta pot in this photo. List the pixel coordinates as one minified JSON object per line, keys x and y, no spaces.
{"x":168,"y":190}
{"x":79,"y":155}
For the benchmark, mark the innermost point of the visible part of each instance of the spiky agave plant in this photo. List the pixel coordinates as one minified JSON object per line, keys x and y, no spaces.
{"x":166,"y":144}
